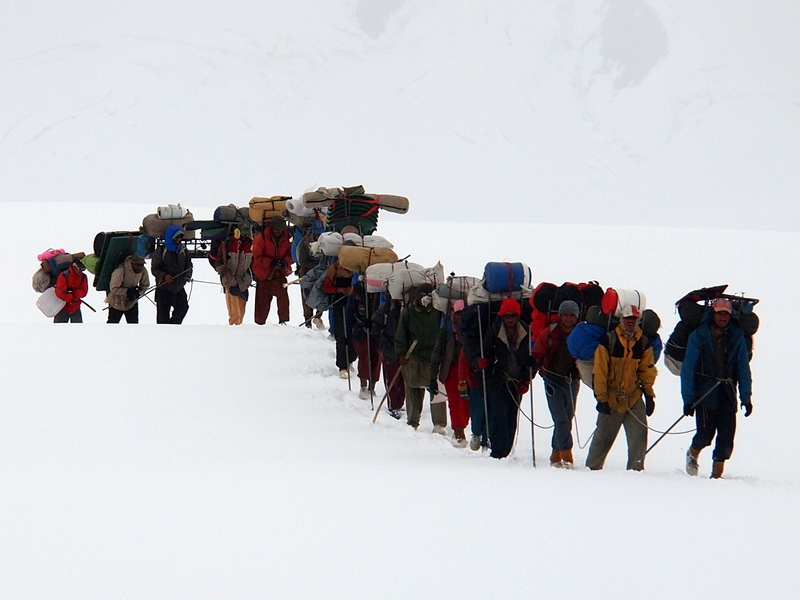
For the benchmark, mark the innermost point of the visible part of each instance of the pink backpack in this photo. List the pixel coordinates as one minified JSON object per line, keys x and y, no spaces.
{"x":50,"y":253}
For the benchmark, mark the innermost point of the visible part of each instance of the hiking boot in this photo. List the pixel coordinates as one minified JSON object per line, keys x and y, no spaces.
{"x":717,"y":468}
{"x":331,"y":337}
{"x":475,"y":443}
{"x":317,"y":321}
{"x":343,"y":374}
{"x":691,"y":461}
{"x":566,"y":459}
{"x":395,"y":414}
{"x":459,"y":438}
{"x":555,"y":458}
{"x":439,"y":429}
{"x":364,"y":393}
{"x":283,"y":322}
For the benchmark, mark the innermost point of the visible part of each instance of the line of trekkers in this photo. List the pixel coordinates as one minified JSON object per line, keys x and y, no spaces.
{"x":481,"y":340}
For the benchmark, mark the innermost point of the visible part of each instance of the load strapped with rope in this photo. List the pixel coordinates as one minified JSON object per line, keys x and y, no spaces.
{"x":692,"y":308}
{"x":353,"y":206}
{"x":547,"y":298}
{"x":603,"y":317}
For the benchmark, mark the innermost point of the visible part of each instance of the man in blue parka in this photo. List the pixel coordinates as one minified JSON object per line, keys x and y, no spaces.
{"x":716,"y":363}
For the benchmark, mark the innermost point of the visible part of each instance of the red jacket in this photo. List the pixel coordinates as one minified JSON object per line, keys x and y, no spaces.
{"x":270,"y":246}
{"x":71,"y":286}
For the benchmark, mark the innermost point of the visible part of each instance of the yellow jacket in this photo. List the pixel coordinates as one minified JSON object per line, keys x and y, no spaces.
{"x":623,"y":369}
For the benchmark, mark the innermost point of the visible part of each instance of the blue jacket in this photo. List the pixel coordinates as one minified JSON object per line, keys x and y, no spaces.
{"x":584,"y":339}
{"x":698,"y":372}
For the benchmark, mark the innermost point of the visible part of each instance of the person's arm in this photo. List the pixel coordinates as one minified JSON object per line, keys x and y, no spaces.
{"x":600,"y":373}
{"x":647,"y":372}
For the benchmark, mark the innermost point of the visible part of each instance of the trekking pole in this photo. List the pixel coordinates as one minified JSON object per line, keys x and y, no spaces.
{"x":293,"y":281}
{"x":391,"y":383}
{"x":694,"y":406}
{"x":367,"y":320}
{"x":483,"y":378}
{"x":346,"y":348}
{"x":533,"y":446}
{"x":82,"y":301}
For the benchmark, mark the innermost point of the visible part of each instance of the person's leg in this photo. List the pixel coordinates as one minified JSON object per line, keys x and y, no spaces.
{"x":262,"y":302}
{"x":180,"y":303}
{"x":459,"y":407}
{"x":414,"y":400}
{"x":558,"y":401}
{"x":282,"y":297}
{"x":163,"y":305}
{"x":397,"y":394}
{"x":114,"y":315}
{"x":502,"y":420}
{"x":132,"y":314}
{"x":62,"y":317}
{"x":635,"y":424}
{"x":477,"y":415}
{"x":726,"y":430}
{"x":604,"y":436}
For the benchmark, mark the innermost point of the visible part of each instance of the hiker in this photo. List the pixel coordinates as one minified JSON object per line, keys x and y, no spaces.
{"x":506,"y":363}
{"x":471,"y":390}
{"x":339,"y":283}
{"x":420,"y":321}
{"x":716,"y":362}
{"x":172,"y":267}
{"x":232,"y":261}
{"x":128,"y":282}
{"x":623,"y":374}
{"x":272,"y":260}
{"x":360,"y":307}
{"x":71,"y":285}
{"x":444,"y":368}
{"x":385,"y":320}
{"x":306,"y":262}
{"x":561,"y":379}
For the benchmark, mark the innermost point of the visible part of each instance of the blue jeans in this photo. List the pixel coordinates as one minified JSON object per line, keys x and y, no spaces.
{"x":477,"y":415}
{"x":561,"y":400}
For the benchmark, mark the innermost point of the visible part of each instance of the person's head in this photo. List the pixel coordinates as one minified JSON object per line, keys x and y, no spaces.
{"x":349,"y":229}
{"x":277,"y":223}
{"x":424,"y":295}
{"x":568,"y":313}
{"x":722,"y":310}
{"x":137,"y":263}
{"x":510,"y":312}
{"x":173,"y":237}
{"x":630,"y":315}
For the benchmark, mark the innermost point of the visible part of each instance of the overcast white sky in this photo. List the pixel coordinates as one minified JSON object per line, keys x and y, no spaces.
{"x":634,"y":111}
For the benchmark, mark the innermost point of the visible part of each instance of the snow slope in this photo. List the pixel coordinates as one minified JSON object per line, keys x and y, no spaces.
{"x":662,"y":112}
{"x":208,"y":461}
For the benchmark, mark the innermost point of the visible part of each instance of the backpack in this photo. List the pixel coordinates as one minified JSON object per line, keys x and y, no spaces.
{"x":691,"y":309}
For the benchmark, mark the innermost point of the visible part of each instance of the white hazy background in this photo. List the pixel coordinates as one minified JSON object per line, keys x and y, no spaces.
{"x":206,"y":461}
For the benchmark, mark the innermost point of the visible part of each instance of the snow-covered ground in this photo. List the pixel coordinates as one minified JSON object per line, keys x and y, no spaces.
{"x":208,"y":461}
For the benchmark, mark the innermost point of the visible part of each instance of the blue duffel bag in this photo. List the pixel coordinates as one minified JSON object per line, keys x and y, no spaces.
{"x":506,"y":276}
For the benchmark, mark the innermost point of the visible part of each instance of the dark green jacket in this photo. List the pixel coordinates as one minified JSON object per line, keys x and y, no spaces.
{"x":421,"y":324}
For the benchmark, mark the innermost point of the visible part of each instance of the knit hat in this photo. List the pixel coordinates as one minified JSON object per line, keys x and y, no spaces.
{"x":569,"y":306}
{"x":509,"y":305}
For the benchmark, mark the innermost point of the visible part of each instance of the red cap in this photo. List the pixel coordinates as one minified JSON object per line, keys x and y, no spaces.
{"x":509,"y":305}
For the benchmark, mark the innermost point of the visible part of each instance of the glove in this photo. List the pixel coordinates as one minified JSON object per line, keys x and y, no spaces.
{"x":522,"y":388}
{"x":433,"y":386}
{"x":748,"y":408}
{"x":483,"y":363}
{"x":280,"y":263}
{"x":603,"y":407}
{"x":688,"y":410}
{"x":132,"y":293}
{"x":463,"y":390}
{"x":649,"y":405}
{"x":403,"y":360}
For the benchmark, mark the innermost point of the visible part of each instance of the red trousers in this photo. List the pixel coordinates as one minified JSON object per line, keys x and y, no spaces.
{"x":459,"y":407}
{"x":265,"y":290}
{"x":364,"y":353}
{"x":397,"y":395}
